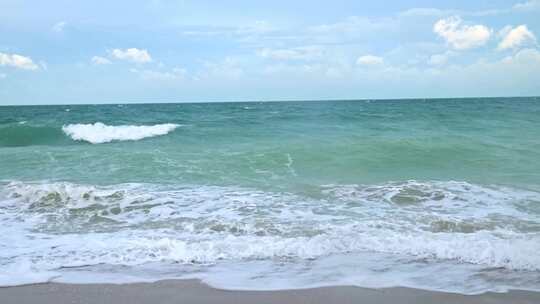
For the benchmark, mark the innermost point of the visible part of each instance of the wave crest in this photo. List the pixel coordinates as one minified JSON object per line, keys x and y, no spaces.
{"x":99,"y":133}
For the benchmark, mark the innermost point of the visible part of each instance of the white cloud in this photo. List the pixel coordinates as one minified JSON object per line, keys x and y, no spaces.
{"x":528,"y":5}
{"x":299,"y":53}
{"x":529,"y":57}
{"x":369,"y":60}
{"x":100,"y":60}
{"x":17,"y":61}
{"x":59,"y":27}
{"x":132,"y":54}
{"x":515,"y":37}
{"x":461,"y":36}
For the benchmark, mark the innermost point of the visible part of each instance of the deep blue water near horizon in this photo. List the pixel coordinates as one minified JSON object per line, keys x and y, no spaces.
{"x":439,"y":194}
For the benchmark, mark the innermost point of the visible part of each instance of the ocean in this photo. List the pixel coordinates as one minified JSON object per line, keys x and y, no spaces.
{"x":438,"y":194}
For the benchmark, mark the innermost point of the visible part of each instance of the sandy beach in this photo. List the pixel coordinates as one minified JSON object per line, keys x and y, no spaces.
{"x":192,"y":291}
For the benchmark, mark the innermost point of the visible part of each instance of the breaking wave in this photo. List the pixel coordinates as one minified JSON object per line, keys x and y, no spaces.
{"x":59,"y":225}
{"x":98,"y":132}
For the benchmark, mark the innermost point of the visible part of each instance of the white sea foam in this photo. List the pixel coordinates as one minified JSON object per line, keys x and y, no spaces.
{"x":22,"y":272}
{"x":468,"y":228}
{"x":98,"y":132}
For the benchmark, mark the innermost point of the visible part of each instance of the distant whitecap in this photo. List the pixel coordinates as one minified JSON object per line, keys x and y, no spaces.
{"x":99,"y":133}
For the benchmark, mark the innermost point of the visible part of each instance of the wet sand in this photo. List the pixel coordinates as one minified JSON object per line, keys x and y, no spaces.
{"x":192,"y":291}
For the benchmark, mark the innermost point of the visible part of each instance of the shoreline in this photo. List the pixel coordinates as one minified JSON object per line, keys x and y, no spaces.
{"x":194,"y":291}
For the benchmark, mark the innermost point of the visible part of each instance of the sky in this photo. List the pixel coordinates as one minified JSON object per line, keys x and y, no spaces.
{"x":69,"y":52}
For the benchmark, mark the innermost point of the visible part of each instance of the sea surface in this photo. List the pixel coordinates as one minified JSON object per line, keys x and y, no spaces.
{"x":435,"y":194}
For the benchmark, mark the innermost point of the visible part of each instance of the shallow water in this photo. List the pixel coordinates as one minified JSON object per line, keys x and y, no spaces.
{"x":434,"y":194}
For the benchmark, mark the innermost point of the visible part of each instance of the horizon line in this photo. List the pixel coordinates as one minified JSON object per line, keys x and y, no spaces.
{"x":270,"y":101}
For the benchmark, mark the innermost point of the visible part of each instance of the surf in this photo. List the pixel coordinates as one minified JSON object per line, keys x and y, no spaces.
{"x":99,"y":133}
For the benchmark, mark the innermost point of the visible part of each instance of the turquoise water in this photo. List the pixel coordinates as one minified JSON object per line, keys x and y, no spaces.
{"x":334,"y":190}
{"x":251,"y":144}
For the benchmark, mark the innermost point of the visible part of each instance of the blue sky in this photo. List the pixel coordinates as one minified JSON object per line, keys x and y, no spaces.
{"x":174,"y":51}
